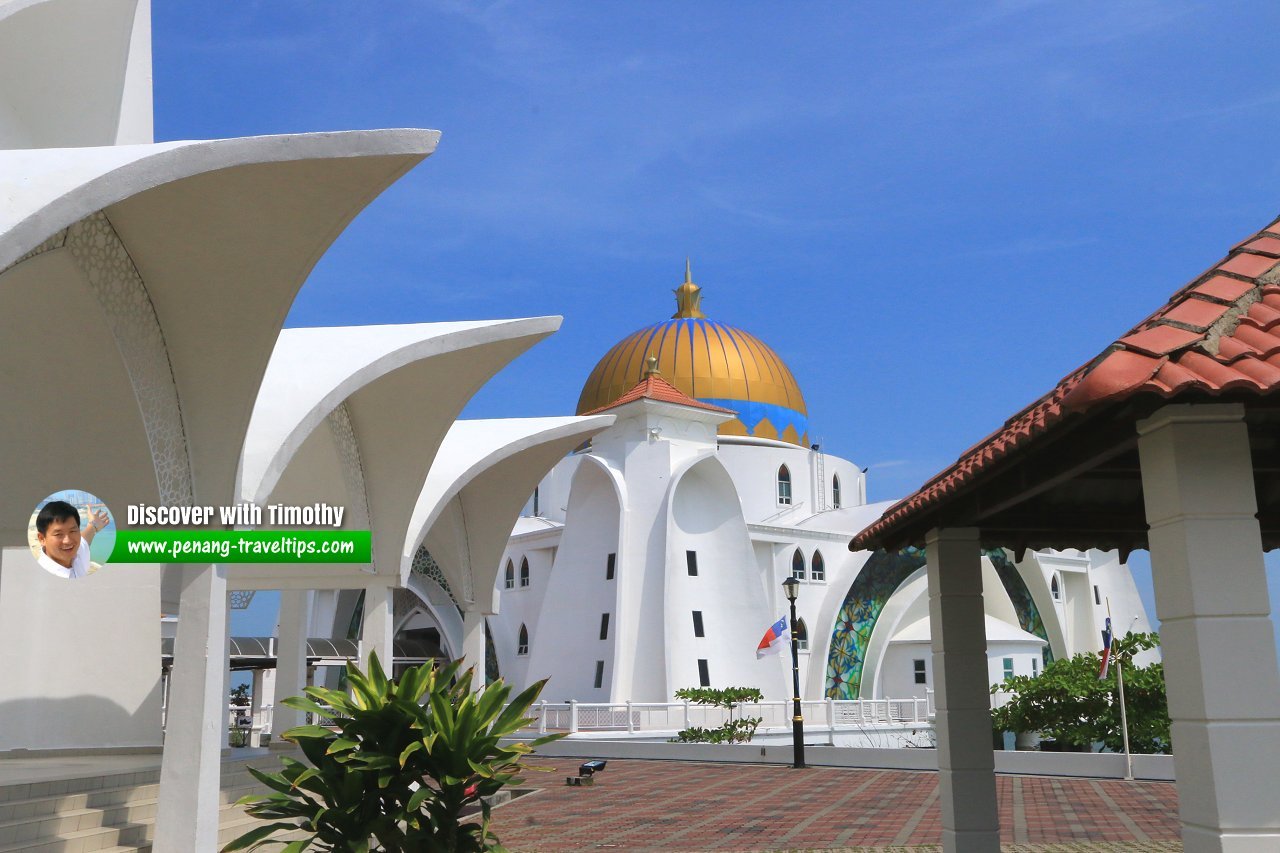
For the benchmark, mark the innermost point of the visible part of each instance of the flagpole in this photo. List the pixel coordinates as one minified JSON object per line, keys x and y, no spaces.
{"x":1124,"y":717}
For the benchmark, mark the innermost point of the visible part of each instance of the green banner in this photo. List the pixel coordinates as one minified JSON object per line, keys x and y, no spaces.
{"x":242,"y":546}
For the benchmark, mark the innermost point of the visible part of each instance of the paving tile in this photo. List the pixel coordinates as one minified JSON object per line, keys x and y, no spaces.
{"x":665,"y":805}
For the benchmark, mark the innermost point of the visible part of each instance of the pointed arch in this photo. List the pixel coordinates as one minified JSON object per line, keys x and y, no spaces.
{"x":522,"y":644}
{"x":818,"y":567}
{"x":509,"y":576}
{"x":797,"y":565}
{"x":835,"y":491}
{"x":784,"y":485}
{"x":524,"y":571}
{"x":802,"y":636}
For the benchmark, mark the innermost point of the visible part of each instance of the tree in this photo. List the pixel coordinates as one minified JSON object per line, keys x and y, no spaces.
{"x":740,"y":730}
{"x":240,"y":694}
{"x":396,"y":774}
{"x":1070,"y":704}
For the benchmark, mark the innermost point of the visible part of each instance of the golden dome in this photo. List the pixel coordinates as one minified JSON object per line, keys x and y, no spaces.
{"x":711,"y":362}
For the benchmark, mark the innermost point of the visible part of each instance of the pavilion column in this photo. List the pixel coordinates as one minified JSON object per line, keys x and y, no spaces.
{"x":191,"y":766}
{"x":473,"y":649}
{"x":957,"y":628}
{"x":377,"y":628}
{"x":226,"y":678}
{"x":1215,"y":630}
{"x":291,"y":662}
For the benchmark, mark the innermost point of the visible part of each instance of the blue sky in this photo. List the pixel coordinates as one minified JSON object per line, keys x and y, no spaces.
{"x":931,"y":211}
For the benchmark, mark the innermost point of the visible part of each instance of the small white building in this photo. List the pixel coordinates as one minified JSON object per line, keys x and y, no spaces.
{"x":653,"y":558}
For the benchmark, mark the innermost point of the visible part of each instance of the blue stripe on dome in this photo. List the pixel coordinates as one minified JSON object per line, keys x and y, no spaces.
{"x":752,"y":413}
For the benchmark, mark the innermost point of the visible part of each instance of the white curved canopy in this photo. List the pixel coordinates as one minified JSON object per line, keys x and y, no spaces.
{"x":161,"y":275}
{"x":389,"y":395}
{"x":75,"y":72}
{"x":484,"y":473}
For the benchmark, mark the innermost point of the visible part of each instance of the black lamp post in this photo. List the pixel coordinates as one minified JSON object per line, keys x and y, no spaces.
{"x":792,"y":587}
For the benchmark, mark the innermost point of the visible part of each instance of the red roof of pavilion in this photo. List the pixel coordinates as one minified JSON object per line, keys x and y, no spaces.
{"x":654,"y":387}
{"x":1220,"y":333}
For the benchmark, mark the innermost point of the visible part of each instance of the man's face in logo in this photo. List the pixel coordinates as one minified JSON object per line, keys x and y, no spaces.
{"x":61,"y":540}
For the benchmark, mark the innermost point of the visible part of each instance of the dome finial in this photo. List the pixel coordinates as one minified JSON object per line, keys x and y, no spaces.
{"x":652,"y":362}
{"x":688,"y":296}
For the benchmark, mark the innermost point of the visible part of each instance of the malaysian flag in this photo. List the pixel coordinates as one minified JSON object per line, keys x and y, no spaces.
{"x":1107,"y":637}
{"x":774,"y":639}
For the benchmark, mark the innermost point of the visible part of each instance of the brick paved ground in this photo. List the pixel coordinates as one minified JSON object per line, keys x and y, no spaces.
{"x":665,"y":805}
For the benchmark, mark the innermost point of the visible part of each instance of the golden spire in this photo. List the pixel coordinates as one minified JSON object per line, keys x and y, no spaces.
{"x":688,"y":297}
{"x":652,"y":361}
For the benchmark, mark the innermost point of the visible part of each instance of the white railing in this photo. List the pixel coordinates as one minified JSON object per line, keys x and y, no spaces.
{"x":632,"y":717}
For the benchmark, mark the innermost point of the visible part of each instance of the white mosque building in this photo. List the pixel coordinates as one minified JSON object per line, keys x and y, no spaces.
{"x":653,"y":557}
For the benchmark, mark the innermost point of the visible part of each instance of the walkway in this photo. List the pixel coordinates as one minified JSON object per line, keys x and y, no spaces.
{"x":667,"y":805}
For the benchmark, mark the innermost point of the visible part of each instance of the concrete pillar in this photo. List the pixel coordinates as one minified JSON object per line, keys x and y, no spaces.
{"x":255,"y":706}
{"x":1215,"y":628}
{"x":957,"y":628}
{"x":226,"y":678}
{"x":473,"y":645}
{"x":190,"y":769}
{"x":377,"y":630}
{"x":291,"y":663}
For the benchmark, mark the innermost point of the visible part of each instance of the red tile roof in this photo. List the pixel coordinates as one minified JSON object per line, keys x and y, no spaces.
{"x":1220,"y":333}
{"x":654,"y":387}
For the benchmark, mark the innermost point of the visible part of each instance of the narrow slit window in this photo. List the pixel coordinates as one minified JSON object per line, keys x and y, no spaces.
{"x":704,"y":674}
{"x":599,"y":674}
{"x":1097,"y":595}
{"x":697,"y":624}
{"x":1054,"y":589}
{"x":610,"y":566}
{"x":604,"y":626}
{"x":691,"y":560}
{"x":835,"y":492}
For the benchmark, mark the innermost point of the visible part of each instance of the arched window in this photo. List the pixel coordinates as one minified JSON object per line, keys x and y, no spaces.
{"x":509,"y":577}
{"x":818,"y":568}
{"x":784,"y":486}
{"x":835,"y":491}
{"x":797,"y":565}
{"x":1054,"y":589}
{"x":522,"y":648}
{"x":524,"y":571}
{"x":802,"y":636}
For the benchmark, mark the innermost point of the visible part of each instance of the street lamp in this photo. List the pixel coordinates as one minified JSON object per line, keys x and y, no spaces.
{"x":792,"y":587}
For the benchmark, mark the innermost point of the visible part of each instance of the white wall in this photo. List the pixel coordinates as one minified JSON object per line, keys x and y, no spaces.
{"x":564,"y":643}
{"x":705,"y":518}
{"x":80,"y":659}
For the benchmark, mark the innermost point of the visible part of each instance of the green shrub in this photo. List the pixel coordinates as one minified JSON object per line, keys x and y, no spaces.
{"x":397,"y":774}
{"x":740,"y":730}
{"x":1068,"y":703}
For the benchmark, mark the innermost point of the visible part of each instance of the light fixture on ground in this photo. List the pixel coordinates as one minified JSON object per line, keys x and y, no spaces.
{"x":792,"y":587}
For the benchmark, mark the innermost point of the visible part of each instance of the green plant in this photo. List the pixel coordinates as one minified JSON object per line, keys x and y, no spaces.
{"x":740,"y":730}
{"x":1068,"y":703}
{"x":394,"y":774}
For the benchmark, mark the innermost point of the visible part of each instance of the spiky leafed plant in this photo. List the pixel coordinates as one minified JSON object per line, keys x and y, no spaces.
{"x":394,"y":773}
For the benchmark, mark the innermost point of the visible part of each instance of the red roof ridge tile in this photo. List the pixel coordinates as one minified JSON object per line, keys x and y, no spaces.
{"x":654,"y":387}
{"x":1218,"y":333}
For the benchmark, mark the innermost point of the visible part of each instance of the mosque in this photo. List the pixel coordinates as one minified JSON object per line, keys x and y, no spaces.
{"x":652,"y":558}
